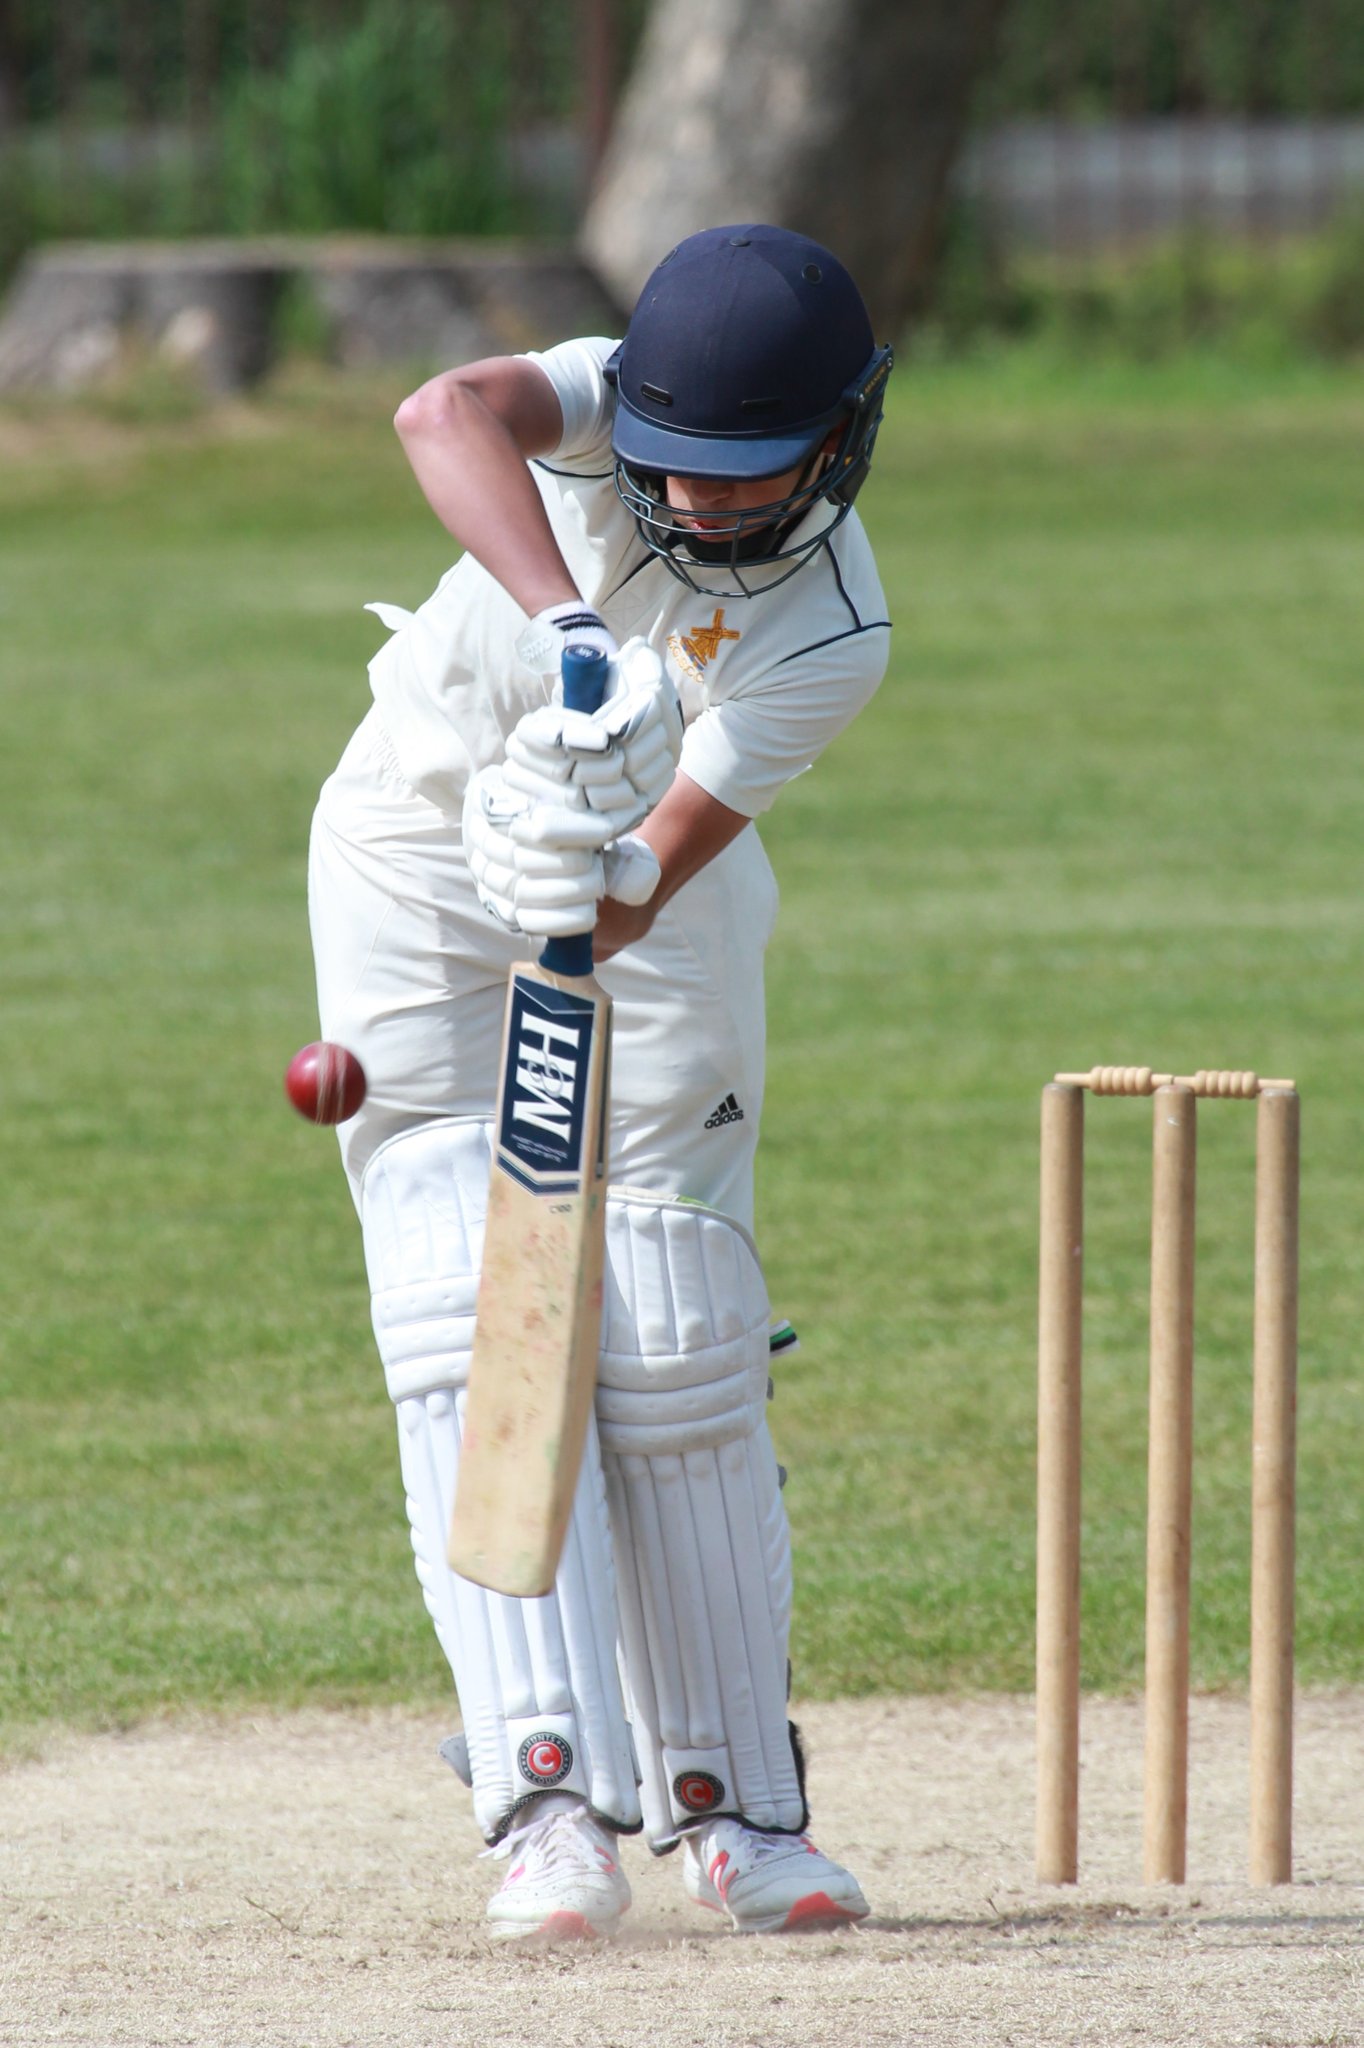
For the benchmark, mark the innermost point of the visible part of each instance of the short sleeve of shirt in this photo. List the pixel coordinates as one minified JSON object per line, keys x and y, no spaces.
{"x":744,"y":750}
{"x":575,"y":370}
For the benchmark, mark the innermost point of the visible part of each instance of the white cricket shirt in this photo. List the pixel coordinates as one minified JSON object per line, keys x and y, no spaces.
{"x":766,"y":680}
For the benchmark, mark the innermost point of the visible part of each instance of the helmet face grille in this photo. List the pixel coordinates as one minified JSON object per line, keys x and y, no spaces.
{"x":744,"y":550}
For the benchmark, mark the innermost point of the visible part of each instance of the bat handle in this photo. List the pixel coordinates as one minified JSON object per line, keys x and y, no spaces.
{"x":584,"y":677}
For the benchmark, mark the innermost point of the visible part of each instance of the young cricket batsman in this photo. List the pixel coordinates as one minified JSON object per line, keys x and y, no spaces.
{"x":683,"y":501}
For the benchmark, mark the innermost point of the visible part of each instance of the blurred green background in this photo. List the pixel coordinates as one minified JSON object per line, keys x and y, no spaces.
{"x":1105,"y":807}
{"x":1137,"y":173}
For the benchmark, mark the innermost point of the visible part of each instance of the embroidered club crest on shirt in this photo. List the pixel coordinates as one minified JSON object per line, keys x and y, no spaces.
{"x":699,"y":645}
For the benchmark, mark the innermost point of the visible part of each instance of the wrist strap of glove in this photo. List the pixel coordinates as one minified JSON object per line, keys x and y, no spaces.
{"x":542,"y":644}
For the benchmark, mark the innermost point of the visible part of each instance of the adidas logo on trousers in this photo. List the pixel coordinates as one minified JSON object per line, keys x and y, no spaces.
{"x":729,"y":1112}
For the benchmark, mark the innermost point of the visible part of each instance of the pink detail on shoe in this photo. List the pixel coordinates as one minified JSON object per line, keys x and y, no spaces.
{"x":720,"y":1874}
{"x":818,"y":1910}
{"x":568,"y":1927}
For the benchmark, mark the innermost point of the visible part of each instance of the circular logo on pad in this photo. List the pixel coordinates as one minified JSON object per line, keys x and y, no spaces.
{"x":544,"y":1759}
{"x":698,"y":1791}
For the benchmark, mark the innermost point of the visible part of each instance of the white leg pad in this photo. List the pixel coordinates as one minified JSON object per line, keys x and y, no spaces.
{"x":703,"y":1553}
{"x":538,"y":1683}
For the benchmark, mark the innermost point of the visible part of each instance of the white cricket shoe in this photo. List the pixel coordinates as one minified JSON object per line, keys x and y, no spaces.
{"x":565,"y":1883}
{"x":768,"y":1884}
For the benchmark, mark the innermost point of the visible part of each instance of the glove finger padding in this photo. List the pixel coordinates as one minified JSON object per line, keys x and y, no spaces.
{"x":644,"y":714}
{"x":551,"y":731}
{"x":557,"y":889}
{"x":651,"y":766}
{"x":539,"y":788}
{"x":562,"y":828}
{"x":561,"y":901}
{"x":565,"y":759}
{"x":621,"y":757}
{"x":561,"y":893}
{"x":640,"y":690}
{"x":536,"y":861}
{"x":612,"y":797}
{"x":620,"y":809}
{"x":489,"y":809}
{"x":489,"y":805}
{"x":503,"y":908}
{"x":554,"y":776}
{"x":493,"y":879}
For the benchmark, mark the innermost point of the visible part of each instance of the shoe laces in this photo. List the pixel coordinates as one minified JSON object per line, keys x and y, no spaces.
{"x":761,"y":1846}
{"x":557,"y":1840}
{"x":753,"y":1845}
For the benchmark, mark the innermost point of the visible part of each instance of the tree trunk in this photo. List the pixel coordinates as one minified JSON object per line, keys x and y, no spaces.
{"x":837,"y":117}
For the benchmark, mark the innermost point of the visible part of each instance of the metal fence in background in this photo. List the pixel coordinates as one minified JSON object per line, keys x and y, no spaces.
{"x":1104,"y":123}
{"x":172,"y":117}
{"x":1100,"y":121}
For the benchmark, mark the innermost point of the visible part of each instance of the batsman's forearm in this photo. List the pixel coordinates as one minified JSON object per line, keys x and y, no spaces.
{"x":686,"y":829}
{"x":475,"y":480}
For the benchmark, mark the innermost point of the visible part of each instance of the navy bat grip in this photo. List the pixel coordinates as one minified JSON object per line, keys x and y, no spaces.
{"x":584,"y":676}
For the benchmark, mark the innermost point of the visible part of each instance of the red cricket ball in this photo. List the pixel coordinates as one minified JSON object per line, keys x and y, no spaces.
{"x":325,"y":1083}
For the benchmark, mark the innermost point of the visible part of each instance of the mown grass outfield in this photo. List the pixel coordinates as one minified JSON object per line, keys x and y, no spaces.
{"x":1106,"y":807}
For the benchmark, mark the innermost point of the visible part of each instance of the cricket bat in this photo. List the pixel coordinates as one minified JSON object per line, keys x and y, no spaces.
{"x":538,"y":1326}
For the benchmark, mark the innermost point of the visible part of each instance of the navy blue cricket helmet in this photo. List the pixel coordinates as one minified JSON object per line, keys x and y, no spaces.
{"x":748,"y":348}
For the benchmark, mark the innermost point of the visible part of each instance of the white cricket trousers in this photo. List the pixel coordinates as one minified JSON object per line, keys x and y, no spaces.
{"x":411,"y":975}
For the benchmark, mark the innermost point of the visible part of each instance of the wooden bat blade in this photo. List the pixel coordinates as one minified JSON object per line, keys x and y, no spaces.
{"x":538,"y":1326}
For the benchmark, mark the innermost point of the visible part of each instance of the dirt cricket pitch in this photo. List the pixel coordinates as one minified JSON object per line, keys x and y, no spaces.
{"x":311,"y":1880}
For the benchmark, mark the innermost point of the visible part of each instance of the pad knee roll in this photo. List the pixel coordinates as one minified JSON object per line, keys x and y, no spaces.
{"x":685,"y":1323}
{"x":423,"y":1211}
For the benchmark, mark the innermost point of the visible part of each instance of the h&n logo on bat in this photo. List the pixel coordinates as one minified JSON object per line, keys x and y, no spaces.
{"x":540,"y":1135}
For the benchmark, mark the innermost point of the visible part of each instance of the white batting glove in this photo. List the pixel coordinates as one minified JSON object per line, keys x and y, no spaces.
{"x":558,"y":890}
{"x":511,"y":839}
{"x":622,"y":757}
{"x":541,"y":646}
{"x":489,"y":810}
{"x":569,"y":761}
{"x":630,"y":870}
{"x":644,"y":714}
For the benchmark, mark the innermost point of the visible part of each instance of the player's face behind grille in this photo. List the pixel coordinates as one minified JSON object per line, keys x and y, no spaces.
{"x":702,"y":524}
